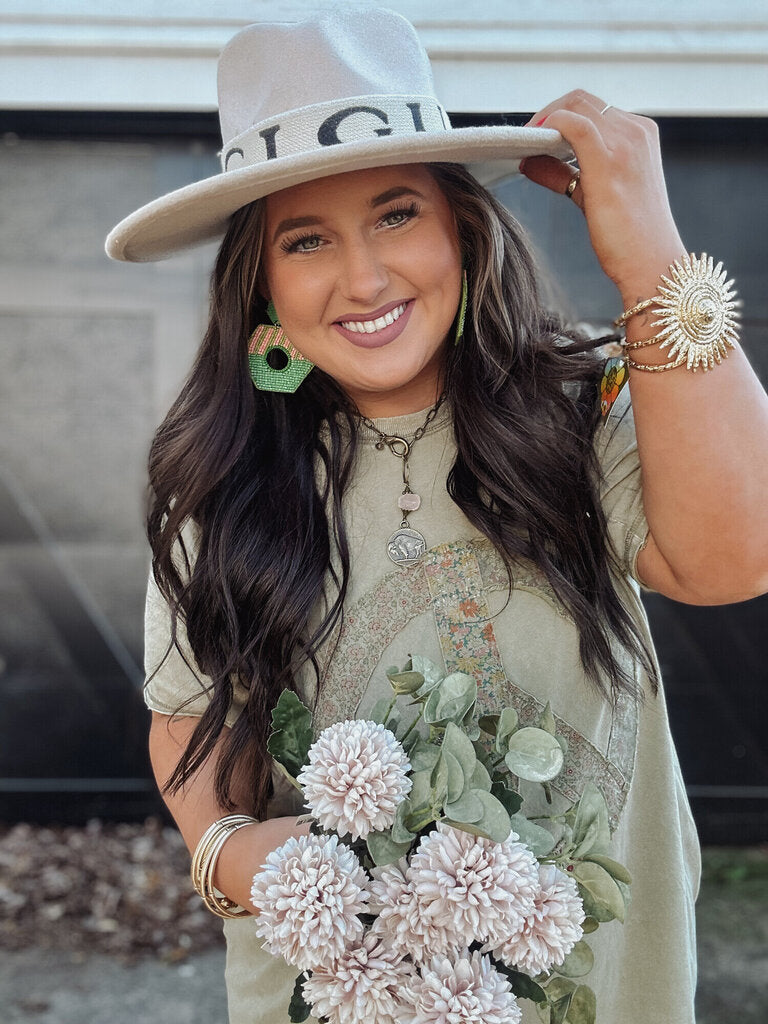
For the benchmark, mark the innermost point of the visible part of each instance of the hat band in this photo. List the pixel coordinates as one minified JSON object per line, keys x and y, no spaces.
{"x":335,"y":123}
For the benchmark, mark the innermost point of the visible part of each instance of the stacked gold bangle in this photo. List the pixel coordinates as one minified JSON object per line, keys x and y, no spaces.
{"x":204,"y":862}
{"x":697,"y":314}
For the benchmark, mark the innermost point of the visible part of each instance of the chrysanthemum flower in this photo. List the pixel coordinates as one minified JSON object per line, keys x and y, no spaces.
{"x":308,"y":896}
{"x":551,"y":931}
{"x":362,"y":987}
{"x":356,"y":777}
{"x":404,"y":920}
{"x":464,"y":991}
{"x":478,"y":887}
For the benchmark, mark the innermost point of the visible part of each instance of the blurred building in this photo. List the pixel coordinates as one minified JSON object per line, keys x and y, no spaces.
{"x":105,"y":104}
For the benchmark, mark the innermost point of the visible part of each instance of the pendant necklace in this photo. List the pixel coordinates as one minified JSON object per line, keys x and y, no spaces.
{"x":406,"y":545}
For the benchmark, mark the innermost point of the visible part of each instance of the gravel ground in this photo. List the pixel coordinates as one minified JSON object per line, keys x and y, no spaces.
{"x":101,"y":926}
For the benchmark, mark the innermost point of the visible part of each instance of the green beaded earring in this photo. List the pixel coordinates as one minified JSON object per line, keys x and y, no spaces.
{"x":462,"y":314}
{"x":275,"y":364}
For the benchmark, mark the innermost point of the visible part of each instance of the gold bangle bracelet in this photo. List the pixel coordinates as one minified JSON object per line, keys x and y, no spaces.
{"x":621,"y":320}
{"x":654,"y":367}
{"x":642,"y":343}
{"x":204,"y":862}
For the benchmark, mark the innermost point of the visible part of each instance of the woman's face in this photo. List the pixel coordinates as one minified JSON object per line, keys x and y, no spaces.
{"x":364,"y":270}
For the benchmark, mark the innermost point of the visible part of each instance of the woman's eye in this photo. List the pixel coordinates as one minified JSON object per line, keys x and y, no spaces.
{"x":307,"y":243}
{"x":399,"y":216}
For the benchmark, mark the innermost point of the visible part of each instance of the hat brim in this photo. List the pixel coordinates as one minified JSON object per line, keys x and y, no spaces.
{"x":199,"y":212}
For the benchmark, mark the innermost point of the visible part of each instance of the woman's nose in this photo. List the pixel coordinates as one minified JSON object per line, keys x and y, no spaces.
{"x":363,"y":275}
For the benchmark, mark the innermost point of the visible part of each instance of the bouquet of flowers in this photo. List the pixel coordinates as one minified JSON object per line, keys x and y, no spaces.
{"x":423,"y":894}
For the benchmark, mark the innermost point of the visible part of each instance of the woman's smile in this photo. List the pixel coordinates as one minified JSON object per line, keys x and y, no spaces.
{"x":364,"y":270}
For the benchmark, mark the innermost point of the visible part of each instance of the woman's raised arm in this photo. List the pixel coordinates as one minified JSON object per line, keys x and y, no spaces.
{"x":702,"y":437}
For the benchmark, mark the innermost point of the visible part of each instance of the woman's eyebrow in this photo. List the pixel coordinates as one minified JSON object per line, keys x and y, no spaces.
{"x":291,"y":223}
{"x":394,"y":193}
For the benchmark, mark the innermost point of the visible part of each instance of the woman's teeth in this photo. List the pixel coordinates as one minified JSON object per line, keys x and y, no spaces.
{"x":371,"y":326}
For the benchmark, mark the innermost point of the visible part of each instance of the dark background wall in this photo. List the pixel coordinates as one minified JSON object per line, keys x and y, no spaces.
{"x":92,"y":353}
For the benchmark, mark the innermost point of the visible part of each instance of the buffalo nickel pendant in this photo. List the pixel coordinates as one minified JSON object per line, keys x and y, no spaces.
{"x":406,"y":546}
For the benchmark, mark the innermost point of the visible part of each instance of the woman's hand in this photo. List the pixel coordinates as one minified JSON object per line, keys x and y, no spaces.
{"x":621,"y":189}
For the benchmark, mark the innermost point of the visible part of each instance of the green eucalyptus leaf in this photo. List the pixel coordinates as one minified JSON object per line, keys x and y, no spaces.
{"x":617,"y":871}
{"x":423,"y":755}
{"x":599,"y":892}
{"x":405,"y":683}
{"x":583,"y":1008}
{"x":591,"y":832}
{"x":546,"y":720}
{"x":467,"y":809}
{"x":283,"y":771}
{"x":534,"y":755}
{"x":439,"y":781}
{"x":480,"y":778}
{"x":456,"y":743}
{"x":539,"y":840}
{"x":589,"y":925}
{"x":432,"y":673}
{"x":456,"y":779}
{"x":457,"y":694}
{"x":560,"y":1008}
{"x":298,"y":1008}
{"x":384,"y":850}
{"x":421,"y":788}
{"x":579,"y":961}
{"x":469,"y":725}
{"x":379,"y":710}
{"x":507,"y":725}
{"x":523,"y":986}
{"x":489,"y":724}
{"x":626,"y":893}
{"x":563,"y":744}
{"x":430,"y":712}
{"x":494,"y":823}
{"x":401,"y":834}
{"x":291,"y":735}
{"x":512,"y":801}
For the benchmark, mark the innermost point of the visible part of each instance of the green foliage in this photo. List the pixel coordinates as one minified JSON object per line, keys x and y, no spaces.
{"x":298,"y":1008}
{"x":291,"y":735}
{"x":534,"y":755}
{"x":601,"y":895}
{"x":579,"y":961}
{"x":589,"y":819}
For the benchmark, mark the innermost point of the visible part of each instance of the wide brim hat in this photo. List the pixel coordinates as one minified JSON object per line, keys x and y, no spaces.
{"x":344,"y":91}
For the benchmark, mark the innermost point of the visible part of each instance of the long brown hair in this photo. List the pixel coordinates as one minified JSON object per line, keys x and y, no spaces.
{"x":241,"y":465}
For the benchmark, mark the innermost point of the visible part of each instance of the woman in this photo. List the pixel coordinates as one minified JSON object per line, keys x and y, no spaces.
{"x":440,"y":482}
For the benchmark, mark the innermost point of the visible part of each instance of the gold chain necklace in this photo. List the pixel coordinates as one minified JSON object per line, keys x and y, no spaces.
{"x":406,"y":545}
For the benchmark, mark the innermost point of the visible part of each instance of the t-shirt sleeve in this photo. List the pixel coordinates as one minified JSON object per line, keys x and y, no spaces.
{"x":621,"y":490}
{"x":175,"y":684}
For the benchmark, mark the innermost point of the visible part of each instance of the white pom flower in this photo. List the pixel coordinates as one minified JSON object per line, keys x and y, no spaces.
{"x":356,"y":777}
{"x":308,"y":896}
{"x":478,"y":887}
{"x":404,"y":920}
{"x":551,"y":931}
{"x":465,"y":991}
{"x":364,"y":985}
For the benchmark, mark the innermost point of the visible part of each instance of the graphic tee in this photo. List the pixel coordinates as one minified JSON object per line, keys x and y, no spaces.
{"x":455,"y":607}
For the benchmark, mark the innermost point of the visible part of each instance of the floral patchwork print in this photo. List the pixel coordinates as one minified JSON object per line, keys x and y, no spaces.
{"x":455,"y":581}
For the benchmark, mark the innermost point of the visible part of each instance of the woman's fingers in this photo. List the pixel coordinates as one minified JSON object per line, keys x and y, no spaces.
{"x":620,"y":188}
{"x":555,"y":175}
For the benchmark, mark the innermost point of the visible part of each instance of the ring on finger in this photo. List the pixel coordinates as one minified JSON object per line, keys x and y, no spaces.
{"x":570,"y":188}
{"x":606,"y":107}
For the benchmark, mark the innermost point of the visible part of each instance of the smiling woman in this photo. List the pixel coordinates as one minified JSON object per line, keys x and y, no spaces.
{"x":427,"y":380}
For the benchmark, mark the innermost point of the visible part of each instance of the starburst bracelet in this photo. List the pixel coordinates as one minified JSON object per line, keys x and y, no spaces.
{"x":697,"y":312}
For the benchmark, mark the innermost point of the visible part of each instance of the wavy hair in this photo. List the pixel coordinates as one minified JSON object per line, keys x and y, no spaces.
{"x":262,"y":477}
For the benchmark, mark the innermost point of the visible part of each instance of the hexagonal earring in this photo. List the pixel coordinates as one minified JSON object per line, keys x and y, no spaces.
{"x":275,"y":364}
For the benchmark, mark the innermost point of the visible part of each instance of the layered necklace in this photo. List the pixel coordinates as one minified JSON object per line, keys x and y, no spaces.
{"x":406,"y":546}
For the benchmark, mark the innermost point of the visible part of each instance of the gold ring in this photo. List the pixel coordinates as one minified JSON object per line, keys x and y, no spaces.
{"x":571,"y":186}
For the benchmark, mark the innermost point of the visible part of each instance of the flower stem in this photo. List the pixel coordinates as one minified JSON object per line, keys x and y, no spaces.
{"x":410,"y":728}
{"x":389,"y":710}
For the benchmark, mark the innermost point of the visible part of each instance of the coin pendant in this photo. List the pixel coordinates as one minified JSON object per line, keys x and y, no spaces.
{"x":406,"y":546}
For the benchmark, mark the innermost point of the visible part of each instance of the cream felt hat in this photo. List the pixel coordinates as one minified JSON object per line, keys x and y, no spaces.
{"x":342,"y":91}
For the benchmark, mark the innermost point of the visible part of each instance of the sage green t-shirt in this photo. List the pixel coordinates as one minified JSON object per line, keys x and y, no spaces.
{"x":523,"y":649}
